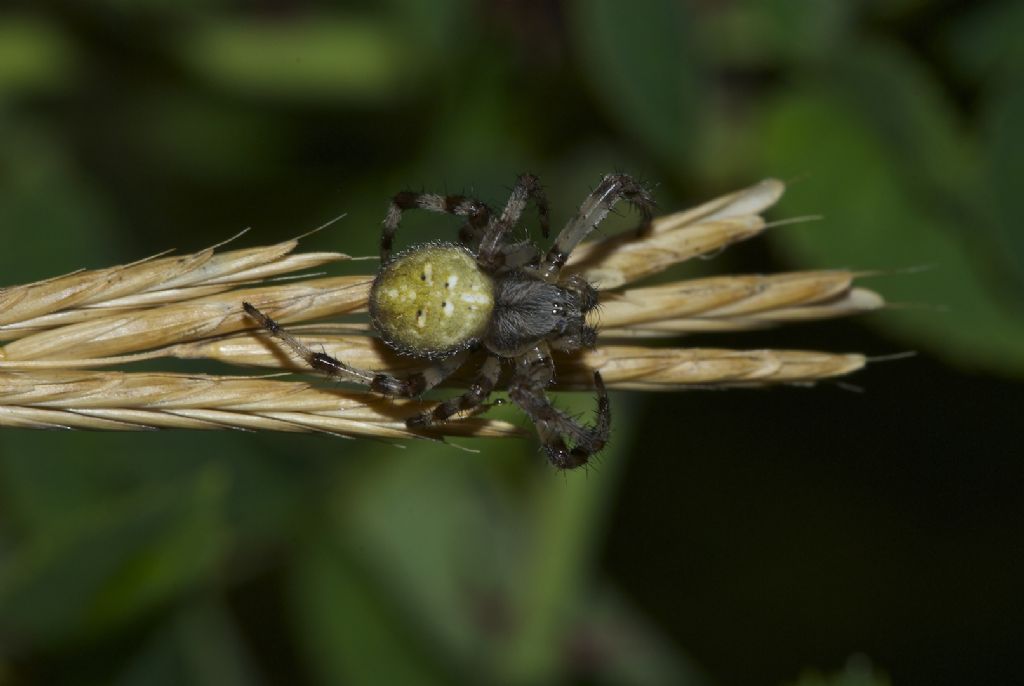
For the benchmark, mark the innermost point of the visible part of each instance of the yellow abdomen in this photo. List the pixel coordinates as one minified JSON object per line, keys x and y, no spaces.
{"x":432,"y":300}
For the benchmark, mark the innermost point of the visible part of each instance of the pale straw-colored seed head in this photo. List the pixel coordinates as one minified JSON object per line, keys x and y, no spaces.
{"x":60,"y":337}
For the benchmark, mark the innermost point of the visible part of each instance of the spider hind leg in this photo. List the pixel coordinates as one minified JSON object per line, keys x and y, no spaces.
{"x":475,"y":395}
{"x":477,"y":213}
{"x":533,"y":375}
{"x":408,"y":387}
{"x":588,"y":439}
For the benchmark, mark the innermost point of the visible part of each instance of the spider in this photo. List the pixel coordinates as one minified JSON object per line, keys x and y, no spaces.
{"x":443,"y":301}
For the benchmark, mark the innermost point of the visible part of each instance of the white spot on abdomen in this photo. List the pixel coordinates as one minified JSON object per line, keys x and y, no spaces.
{"x":476,"y":298}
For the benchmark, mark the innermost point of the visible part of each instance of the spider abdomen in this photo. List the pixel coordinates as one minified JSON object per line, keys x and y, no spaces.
{"x":432,"y":300}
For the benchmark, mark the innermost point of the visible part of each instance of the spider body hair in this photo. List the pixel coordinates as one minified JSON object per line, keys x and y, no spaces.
{"x":528,"y":310}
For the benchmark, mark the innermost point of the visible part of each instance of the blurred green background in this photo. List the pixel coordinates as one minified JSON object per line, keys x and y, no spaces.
{"x":744,"y":537}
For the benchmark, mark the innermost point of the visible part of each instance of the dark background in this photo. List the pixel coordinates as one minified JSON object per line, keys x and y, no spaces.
{"x":726,"y":537}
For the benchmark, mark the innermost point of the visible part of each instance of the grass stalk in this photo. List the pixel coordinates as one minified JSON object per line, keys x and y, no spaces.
{"x":66,"y":340}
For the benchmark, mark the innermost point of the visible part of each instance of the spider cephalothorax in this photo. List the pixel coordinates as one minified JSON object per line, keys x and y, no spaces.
{"x":444,"y":301}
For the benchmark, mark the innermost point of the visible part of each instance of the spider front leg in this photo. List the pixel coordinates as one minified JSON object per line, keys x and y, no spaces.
{"x":583,"y":335}
{"x":527,"y":188}
{"x":512,"y":256}
{"x":478,"y":215}
{"x":475,"y":396}
{"x":595,"y":208}
{"x":533,"y":375}
{"x":587,"y":294}
{"x":409,"y":387}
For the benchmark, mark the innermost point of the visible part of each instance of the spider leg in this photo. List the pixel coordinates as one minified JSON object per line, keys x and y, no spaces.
{"x":583,"y":337}
{"x":533,"y":375}
{"x":512,"y":256}
{"x":583,"y":290}
{"x":475,"y":396}
{"x":418,"y":383}
{"x":526,"y":188}
{"x":595,"y":208}
{"x":478,"y":214}
{"x":409,"y":387}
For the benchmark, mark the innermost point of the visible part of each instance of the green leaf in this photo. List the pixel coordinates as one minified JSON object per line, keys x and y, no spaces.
{"x":905,"y":106}
{"x":352,"y":631}
{"x":939,"y":167}
{"x":873,"y":222}
{"x":50,"y":478}
{"x":1004,"y":151}
{"x":437,"y":27}
{"x":858,"y":671}
{"x":200,"y":645}
{"x":33,"y":56}
{"x":757,"y":34}
{"x":53,"y":218}
{"x":112,"y":563}
{"x":441,"y":538}
{"x":985,"y":43}
{"x":325,"y":58}
{"x":566,"y":517}
{"x":641,"y":67}
{"x":444,"y":543}
{"x":627,"y":649}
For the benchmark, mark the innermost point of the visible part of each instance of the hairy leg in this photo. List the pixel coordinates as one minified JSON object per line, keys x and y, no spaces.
{"x":583,"y":337}
{"x":475,"y":396}
{"x":595,"y":208}
{"x":527,"y":188}
{"x":533,"y":375}
{"x":409,"y":387}
{"x":512,"y":256}
{"x":478,"y":214}
{"x":586,"y":293}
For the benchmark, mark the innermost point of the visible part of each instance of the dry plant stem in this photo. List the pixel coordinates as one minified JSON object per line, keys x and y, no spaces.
{"x":674,"y":238}
{"x":673,"y":369}
{"x":108,"y":335}
{"x":190,"y":307}
{"x":718,"y":304}
{"x":142,"y":301}
{"x":752,"y":200}
{"x":145,"y":283}
{"x":621,"y":259}
{"x":713,"y":304}
{"x":121,"y":401}
{"x":623,"y":367}
{"x":733,"y":302}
